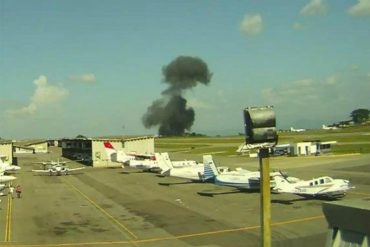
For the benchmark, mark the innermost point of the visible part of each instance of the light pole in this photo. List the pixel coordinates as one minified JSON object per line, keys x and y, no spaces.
{"x":260,"y":128}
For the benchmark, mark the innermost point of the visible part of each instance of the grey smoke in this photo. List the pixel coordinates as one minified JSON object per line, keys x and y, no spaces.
{"x":170,"y":112}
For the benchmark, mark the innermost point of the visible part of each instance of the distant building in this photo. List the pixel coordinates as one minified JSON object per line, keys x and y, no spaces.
{"x":92,"y":151}
{"x":296,"y":149}
{"x":30,"y":147}
{"x":6,"y":151}
{"x":312,"y":147}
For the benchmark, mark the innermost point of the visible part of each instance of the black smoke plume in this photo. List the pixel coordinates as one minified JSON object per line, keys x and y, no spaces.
{"x":170,"y":112}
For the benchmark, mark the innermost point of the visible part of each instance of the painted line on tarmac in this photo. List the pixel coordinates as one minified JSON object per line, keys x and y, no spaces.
{"x":8,"y":220}
{"x":126,"y":230}
{"x":176,"y":237}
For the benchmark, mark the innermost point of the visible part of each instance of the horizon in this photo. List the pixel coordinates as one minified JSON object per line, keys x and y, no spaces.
{"x":70,"y":68}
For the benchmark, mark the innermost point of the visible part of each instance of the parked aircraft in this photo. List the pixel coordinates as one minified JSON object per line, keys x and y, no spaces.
{"x":123,"y":157}
{"x":6,"y":178}
{"x":192,"y":170}
{"x":157,"y":164}
{"x":192,"y":173}
{"x":245,"y":180}
{"x":322,"y":187}
{"x":58,"y":170}
{"x":324,"y":127}
{"x":6,"y":168}
{"x":296,"y":130}
{"x":116,"y":156}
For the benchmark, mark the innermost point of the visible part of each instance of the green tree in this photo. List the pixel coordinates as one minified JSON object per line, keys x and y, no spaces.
{"x":360,"y":115}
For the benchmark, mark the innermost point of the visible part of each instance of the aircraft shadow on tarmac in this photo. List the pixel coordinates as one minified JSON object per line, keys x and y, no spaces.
{"x":215,"y":193}
{"x":48,"y":175}
{"x":291,"y":201}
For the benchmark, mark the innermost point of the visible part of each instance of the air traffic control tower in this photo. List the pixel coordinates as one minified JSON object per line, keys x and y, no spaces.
{"x":349,"y":223}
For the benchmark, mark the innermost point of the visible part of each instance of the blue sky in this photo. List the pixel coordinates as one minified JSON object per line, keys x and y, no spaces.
{"x":93,"y":67}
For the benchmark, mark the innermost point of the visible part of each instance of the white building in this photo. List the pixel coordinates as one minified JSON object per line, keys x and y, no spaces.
{"x":30,"y":147}
{"x":6,"y":151}
{"x":92,"y":150}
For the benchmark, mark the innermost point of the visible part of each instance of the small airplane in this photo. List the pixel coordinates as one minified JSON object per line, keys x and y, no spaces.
{"x":6,"y":178}
{"x":58,"y":170}
{"x":322,"y":187}
{"x":51,"y":163}
{"x":123,"y":157}
{"x":245,"y":180}
{"x":5,"y":167}
{"x":296,"y":130}
{"x":191,"y":171}
{"x":158,"y":164}
{"x":325,"y":127}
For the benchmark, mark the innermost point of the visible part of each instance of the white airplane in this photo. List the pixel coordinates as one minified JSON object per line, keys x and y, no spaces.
{"x":5,"y":167}
{"x":192,"y":170}
{"x":324,"y":127}
{"x":58,"y":170}
{"x":321,"y":187}
{"x":246,"y":180}
{"x":5,"y":178}
{"x":157,"y":164}
{"x":123,"y":157}
{"x":296,"y":130}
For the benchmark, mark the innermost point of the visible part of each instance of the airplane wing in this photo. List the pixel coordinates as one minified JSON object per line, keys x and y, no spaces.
{"x":41,"y":171}
{"x":75,"y":169}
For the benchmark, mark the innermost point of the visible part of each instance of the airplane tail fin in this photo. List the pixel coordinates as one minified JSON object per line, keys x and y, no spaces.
{"x":282,"y":183}
{"x":210,"y":170}
{"x":164,"y":162}
{"x":110,"y":151}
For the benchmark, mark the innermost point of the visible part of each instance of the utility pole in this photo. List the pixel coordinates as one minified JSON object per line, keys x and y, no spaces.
{"x":265,"y":197}
{"x":260,"y":129}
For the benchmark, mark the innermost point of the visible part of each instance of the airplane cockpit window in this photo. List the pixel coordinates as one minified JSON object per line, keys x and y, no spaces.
{"x":311,"y":184}
{"x":321,"y":181}
{"x":327,"y":180}
{"x":316,"y":182}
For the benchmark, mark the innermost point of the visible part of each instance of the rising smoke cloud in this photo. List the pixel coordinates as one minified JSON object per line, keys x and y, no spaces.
{"x":170,"y":112}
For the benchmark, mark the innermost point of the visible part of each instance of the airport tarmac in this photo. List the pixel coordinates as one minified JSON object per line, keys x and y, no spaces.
{"x":104,"y":207}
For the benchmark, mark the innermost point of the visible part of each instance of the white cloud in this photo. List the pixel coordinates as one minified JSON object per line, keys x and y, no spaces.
{"x":251,"y":24}
{"x":86,"y":78}
{"x":43,"y":95}
{"x":313,"y":8}
{"x":361,"y":8}
{"x":311,"y":102}
{"x":297,"y":26}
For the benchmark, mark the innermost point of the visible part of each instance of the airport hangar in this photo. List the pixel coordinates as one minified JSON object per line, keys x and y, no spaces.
{"x":6,"y":151}
{"x":91,"y":151}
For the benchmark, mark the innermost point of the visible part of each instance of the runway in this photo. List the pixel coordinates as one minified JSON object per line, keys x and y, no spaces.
{"x":103,"y":207}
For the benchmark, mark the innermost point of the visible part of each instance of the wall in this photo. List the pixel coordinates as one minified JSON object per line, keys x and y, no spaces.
{"x":6,"y":149}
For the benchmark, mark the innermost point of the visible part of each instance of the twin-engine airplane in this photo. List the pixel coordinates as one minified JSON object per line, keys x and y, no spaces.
{"x":321,"y":188}
{"x":57,"y":168}
{"x":244,"y":180}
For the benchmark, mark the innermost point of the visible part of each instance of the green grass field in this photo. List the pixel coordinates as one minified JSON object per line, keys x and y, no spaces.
{"x":355,"y":139}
